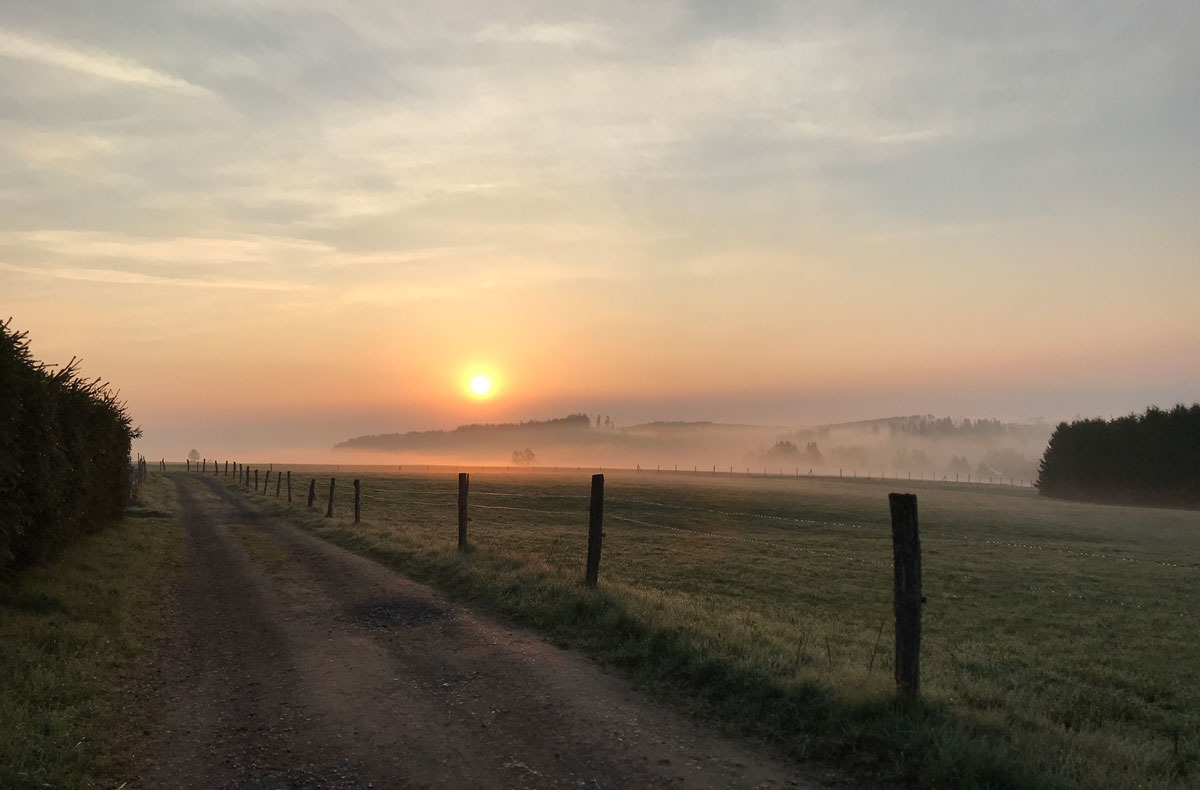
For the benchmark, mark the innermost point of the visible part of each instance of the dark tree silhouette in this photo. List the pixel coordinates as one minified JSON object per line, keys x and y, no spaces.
{"x":1142,"y":459}
{"x":525,"y":456}
{"x":783,"y":451}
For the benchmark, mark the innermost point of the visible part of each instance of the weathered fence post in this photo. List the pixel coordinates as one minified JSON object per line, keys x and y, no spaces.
{"x":906,"y":563}
{"x":226,"y":469}
{"x":357,"y":492}
{"x":312,"y":492}
{"x":595,"y":530}
{"x":266,"y":482}
{"x":329,"y":508}
{"x":255,"y":479}
{"x":289,"y":478}
{"x":463,"y":483}
{"x":278,"y":483}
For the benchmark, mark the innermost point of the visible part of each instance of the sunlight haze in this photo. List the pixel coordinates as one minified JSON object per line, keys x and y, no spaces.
{"x":274,"y":226}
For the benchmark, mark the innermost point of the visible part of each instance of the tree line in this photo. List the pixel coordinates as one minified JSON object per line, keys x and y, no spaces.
{"x":1142,"y":459}
{"x":64,"y":454}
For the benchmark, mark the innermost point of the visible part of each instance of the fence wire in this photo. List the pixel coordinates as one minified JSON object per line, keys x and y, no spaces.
{"x":430,"y":496}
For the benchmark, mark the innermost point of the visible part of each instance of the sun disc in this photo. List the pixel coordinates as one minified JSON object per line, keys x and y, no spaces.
{"x":481,"y":385}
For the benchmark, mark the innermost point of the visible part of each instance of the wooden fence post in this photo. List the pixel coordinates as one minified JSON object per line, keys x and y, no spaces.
{"x":226,"y":469}
{"x":255,"y":479}
{"x":464,"y":480}
{"x":906,"y":563}
{"x":278,"y":483}
{"x":289,"y":478}
{"x":357,"y":492}
{"x":329,"y":508}
{"x":595,"y":530}
{"x":312,"y":492}
{"x":266,"y":482}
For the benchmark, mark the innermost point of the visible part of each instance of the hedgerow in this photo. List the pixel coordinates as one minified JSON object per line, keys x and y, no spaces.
{"x":64,"y":454}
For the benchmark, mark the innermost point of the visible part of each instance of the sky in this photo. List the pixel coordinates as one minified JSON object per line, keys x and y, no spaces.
{"x":276,"y":224}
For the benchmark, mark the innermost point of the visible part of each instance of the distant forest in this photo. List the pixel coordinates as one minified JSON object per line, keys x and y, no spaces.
{"x":1143,"y":459}
{"x":927,"y":426}
{"x":433,"y":439}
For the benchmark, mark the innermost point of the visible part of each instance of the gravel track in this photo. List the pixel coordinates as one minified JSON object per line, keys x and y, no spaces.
{"x":292,"y":663}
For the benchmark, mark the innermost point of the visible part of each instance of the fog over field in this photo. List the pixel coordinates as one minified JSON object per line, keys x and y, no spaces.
{"x":920,"y":445}
{"x":483,"y":292}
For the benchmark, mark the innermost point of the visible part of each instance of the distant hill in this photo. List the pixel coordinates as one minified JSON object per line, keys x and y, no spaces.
{"x":573,"y":426}
{"x":575,"y":439}
{"x":928,"y":426}
{"x":918,"y":444}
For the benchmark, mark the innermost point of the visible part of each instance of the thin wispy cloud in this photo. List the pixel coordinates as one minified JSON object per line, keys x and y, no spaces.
{"x":558,"y":35}
{"x":119,"y":277}
{"x":103,"y":66}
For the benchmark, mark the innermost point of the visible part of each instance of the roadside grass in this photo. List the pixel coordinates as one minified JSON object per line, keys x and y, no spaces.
{"x":72,"y":633}
{"x":1060,"y":638}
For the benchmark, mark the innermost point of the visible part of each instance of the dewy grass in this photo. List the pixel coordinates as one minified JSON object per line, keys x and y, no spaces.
{"x":72,"y":632}
{"x":1059,"y":638}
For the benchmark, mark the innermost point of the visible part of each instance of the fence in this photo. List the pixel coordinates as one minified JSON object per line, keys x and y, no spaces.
{"x":843,"y":473}
{"x":906,"y":554}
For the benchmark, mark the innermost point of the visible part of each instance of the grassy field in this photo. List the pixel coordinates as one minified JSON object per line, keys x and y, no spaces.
{"x":1060,"y":639}
{"x":72,"y":632}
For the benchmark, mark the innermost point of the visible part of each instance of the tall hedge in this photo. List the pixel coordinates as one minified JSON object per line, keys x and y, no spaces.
{"x":1143,"y":459}
{"x":64,"y":454}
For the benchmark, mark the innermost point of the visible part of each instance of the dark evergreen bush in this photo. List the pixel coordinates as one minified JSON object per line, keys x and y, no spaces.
{"x":1142,"y":459}
{"x":64,"y":454}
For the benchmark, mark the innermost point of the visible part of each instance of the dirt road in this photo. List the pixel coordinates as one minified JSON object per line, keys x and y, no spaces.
{"x":294,"y":664}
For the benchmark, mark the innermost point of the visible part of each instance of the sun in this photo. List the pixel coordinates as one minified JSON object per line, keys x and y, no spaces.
{"x":480,"y":386}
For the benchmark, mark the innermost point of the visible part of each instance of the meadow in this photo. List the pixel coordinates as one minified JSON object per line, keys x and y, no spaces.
{"x":1059,"y":645}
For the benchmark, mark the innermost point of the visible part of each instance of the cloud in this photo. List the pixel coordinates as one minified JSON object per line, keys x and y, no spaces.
{"x":119,"y":277}
{"x":287,"y":252}
{"x":168,"y":249}
{"x":558,"y":35}
{"x":100,"y":65}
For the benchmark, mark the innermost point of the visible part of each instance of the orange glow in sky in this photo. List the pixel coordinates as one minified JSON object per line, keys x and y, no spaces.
{"x":762,"y":217}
